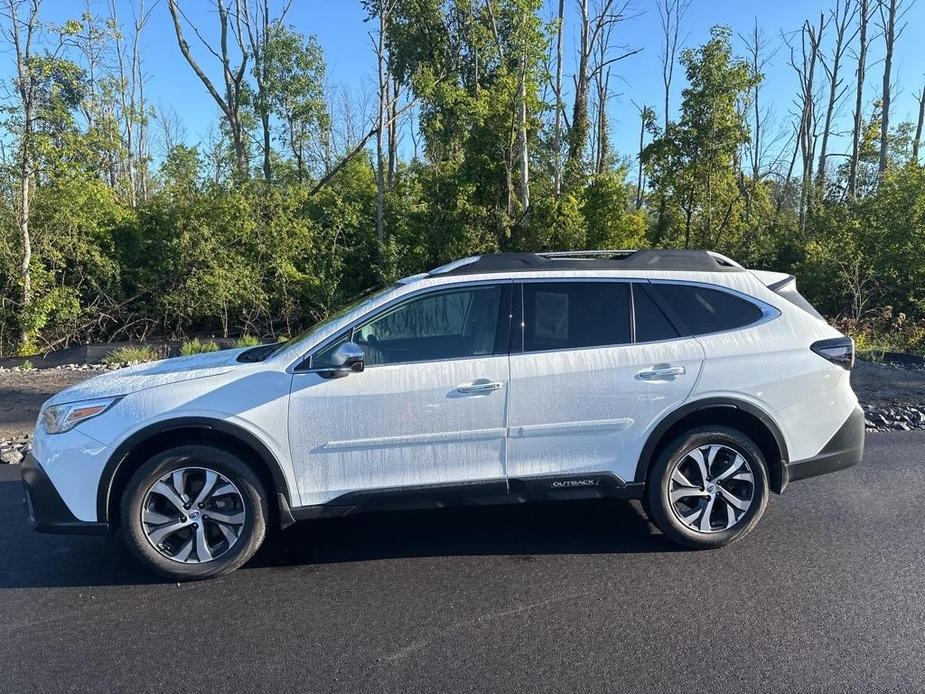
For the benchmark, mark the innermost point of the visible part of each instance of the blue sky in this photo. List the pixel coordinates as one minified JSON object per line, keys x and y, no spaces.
{"x":344,"y":36}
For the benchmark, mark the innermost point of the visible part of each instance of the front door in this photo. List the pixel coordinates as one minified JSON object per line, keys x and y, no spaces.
{"x":428,"y":410}
{"x":587,"y":381}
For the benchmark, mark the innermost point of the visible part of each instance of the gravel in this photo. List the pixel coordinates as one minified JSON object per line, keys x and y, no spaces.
{"x":14,"y":449}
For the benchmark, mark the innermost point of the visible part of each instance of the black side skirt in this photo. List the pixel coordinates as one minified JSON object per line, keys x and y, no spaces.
{"x":490,"y":492}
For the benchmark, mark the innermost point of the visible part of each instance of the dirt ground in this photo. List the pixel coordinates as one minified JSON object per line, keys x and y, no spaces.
{"x":22,"y":393}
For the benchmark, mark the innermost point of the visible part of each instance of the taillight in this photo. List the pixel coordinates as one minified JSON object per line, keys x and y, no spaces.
{"x":838,"y":350}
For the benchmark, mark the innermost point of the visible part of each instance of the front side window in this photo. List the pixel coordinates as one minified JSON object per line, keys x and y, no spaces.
{"x":451,"y":324}
{"x":575,"y":315}
{"x":705,"y":310}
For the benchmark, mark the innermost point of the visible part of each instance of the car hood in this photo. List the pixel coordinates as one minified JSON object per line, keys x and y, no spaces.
{"x":151,"y":374}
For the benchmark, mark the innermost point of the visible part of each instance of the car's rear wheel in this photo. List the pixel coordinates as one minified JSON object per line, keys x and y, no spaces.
{"x":194,"y":511}
{"x":708,"y":487}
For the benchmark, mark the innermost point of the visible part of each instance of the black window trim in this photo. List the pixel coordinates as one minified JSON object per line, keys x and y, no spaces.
{"x":303,"y":364}
{"x":521,"y":315}
{"x":516,"y":314}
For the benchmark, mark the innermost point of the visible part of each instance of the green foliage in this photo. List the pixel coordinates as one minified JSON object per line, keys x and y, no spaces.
{"x":26,"y":365}
{"x":247,"y":341}
{"x":131,"y":355}
{"x":194,"y":346}
{"x":692,"y":164}
{"x":200,"y":250}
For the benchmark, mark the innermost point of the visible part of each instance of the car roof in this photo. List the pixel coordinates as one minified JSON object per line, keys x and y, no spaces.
{"x":650,"y":259}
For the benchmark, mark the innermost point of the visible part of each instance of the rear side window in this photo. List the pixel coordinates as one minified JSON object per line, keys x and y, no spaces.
{"x":572,"y":315}
{"x":704,"y":310}
{"x":651,"y":323}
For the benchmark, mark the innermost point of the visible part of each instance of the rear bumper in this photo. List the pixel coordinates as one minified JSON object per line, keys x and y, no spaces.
{"x":46,"y":509}
{"x":844,"y":449}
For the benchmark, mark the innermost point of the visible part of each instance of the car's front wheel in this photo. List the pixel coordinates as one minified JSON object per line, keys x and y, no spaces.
{"x":708,"y":487}
{"x":194,"y":511}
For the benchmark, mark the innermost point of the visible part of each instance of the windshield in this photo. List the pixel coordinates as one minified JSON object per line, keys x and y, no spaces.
{"x":366,"y":297}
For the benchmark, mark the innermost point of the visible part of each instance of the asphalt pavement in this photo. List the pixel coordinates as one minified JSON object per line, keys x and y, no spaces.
{"x":827,"y":594}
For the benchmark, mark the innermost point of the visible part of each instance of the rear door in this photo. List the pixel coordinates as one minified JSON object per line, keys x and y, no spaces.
{"x":590,"y":375}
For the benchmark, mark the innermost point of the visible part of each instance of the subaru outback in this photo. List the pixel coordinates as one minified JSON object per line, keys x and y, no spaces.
{"x":679,"y":378}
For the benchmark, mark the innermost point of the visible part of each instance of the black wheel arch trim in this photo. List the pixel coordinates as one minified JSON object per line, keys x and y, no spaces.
{"x":778,"y":467}
{"x":244,"y":437}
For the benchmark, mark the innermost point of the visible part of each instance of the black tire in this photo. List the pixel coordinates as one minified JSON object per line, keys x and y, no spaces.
{"x":663,"y":513}
{"x":227,"y":464}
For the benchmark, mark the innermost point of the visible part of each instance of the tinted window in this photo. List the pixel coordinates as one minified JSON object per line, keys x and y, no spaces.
{"x":445,"y":325}
{"x":651,"y":323}
{"x":708,"y":310}
{"x":564,"y":315}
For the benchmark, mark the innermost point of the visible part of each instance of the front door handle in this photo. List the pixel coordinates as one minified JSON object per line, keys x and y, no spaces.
{"x":480,"y":386}
{"x":660,"y":372}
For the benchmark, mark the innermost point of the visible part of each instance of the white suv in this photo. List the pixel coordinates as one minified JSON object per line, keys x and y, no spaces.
{"x":676,"y":377}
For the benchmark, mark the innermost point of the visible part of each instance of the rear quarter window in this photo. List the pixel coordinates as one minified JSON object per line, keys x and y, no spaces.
{"x":703,"y":310}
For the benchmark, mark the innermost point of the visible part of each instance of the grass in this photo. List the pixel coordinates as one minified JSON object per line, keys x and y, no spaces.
{"x":131,"y":355}
{"x":194,"y":346}
{"x":247,"y":341}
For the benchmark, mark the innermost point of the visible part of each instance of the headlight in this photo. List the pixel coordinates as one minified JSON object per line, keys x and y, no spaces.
{"x":60,"y":418}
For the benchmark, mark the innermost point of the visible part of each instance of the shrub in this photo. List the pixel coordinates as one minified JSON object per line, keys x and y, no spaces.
{"x":194,"y":346}
{"x":247,"y":341}
{"x":131,"y":355}
{"x":26,"y":366}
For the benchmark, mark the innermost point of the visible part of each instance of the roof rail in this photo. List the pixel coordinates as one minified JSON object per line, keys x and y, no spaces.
{"x":586,"y":254}
{"x":724,"y":260}
{"x":455,"y":265}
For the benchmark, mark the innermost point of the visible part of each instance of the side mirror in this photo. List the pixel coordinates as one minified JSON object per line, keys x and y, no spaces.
{"x":345,"y":360}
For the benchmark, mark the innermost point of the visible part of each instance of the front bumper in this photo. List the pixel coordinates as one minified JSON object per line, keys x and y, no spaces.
{"x":46,"y":509}
{"x":844,"y":449}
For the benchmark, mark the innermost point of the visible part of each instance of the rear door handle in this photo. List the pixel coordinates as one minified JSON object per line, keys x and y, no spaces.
{"x":661,"y":372}
{"x":480,"y":386}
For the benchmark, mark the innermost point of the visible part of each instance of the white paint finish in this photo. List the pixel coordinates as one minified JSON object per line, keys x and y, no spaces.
{"x":397,"y":425}
{"x":73,"y":462}
{"x":252,"y":397}
{"x":151,"y":374}
{"x":582,"y":410}
{"x":587,"y":410}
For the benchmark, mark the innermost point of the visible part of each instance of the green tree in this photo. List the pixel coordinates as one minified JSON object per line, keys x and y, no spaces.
{"x":692,"y":164}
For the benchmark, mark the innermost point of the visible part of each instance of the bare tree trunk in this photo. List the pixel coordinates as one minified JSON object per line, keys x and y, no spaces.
{"x":383,"y":84}
{"x":863,"y":19}
{"x":889,"y":38}
{"x":645,"y":116}
{"x":578,"y":133}
{"x":595,"y":40}
{"x":603,"y":139}
{"x":842,"y":16}
{"x":230,"y":105}
{"x":257,"y":39}
{"x":393,"y":133}
{"x":557,"y":127}
{"x":140,"y":158}
{"x":805,"y":67}
{"x":524,"y":146}
{"x":20,"y":34}
{"x":916,"y":143}
{"x":670,"y":12}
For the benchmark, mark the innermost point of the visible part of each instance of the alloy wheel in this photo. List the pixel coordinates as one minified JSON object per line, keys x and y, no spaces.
{"x":193,"y":515}
{"x":711,"y":488}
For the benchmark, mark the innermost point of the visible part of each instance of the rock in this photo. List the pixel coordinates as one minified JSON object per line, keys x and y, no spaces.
{"x":11,"y":456}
